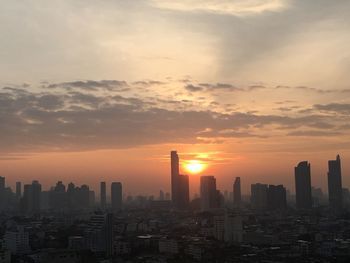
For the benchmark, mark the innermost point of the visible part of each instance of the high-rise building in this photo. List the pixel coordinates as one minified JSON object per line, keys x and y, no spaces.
{"x":183,"y":192}
{"x":276,"y":197}
{"x":237,"y":198}
{"x":174,"y":176}
{"x":2,"y":183}
{"x":116,"y":196}
{"x":258,"y":196}
{"x":31,"y":200}
{"x":335,"y":184}
{"x":179,"y":184}
{"x":18,"y":190}
{"x":99,"y":234}
{"x":303,"y":185}
{"x":208,"y":193}
{"x":103,"y":195}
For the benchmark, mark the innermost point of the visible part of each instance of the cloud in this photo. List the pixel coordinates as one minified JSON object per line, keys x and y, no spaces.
{"x":91,"y":85}
{"x":341,"y":108}
{"x":85,"y":119}
{"x":226,"y":7}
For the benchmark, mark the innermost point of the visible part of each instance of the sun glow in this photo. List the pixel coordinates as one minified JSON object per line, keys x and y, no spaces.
{"x":194,"y":166}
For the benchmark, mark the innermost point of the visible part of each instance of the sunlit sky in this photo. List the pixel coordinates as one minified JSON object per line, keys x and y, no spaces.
{"x":104,"y":90}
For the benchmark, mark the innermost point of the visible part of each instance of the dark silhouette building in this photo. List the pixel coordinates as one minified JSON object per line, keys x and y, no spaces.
{"x":237,"y":198}
{"x":303,"y":185}
{"x":210,"y":197}
{"x":18,"y":190}
{"x":103,"y":196}
{"x":335,"y":184}
{"x":116,"y":196}
{"x":179,"y":184}
{"x":31,"y":199}
{"x":276,"y":197}
{"x":258,"y":196}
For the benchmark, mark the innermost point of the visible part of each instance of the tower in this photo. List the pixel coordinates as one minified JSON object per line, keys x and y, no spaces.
{"x":103,"y":197}
{"x":116,"y":196}
{"x":303,"y":185}
{"x":335,"y":184}
{"x":237,"y":198}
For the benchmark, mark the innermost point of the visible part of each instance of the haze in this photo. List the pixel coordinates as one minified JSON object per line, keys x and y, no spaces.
{"x":102,"y":90}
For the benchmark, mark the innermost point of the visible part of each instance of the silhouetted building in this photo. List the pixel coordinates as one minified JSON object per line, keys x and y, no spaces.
{"x":237,"y":197}
{"x":99,"y":234}
{"x":31,"y":199}
{"x":208,"y":193}
{"x":258,"y":196}
{"x":2,"y":193}
{"x":276,"y":197}
{"x":303,"y":186}
{"x":116,"y":196}
{"x":103,"y":195}
{"x":179,"y":184}
{"x":18,"y":190}
{"x":183,"y":190}
{"x":335,"y":184}
{"x":58,"y":197}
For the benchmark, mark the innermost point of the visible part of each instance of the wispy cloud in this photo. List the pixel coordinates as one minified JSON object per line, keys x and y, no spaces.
{"x":233,"y":7}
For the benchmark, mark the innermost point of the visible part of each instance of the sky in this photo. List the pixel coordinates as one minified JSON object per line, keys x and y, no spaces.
{"x":104,"y":90}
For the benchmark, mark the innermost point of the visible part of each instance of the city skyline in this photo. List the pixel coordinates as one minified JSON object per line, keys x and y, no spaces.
{"x":249,"y":88}
{"x":179,"y":184}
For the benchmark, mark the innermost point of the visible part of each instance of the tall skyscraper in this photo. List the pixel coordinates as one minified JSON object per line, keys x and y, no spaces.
{"x":179,"y":184}
{"x":183,"y":192}
{"x":103,"y":196}
{"x":116,"y":196}
{"x":208,"y":193}
{"x":18,"y":190}
{"x":174,"y":176}
{"x":237,"y":198}
{"x":303,"y":185}
{"x":335,"y":184}
{"x":2,"y":183}
{"x":258,"y":196}
{"x":276,"y":197}
{"x":31,"y":200}
{"x":36,"y":195}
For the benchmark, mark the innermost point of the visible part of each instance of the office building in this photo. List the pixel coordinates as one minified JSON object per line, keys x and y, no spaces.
{"x":103,"y":195}
{"x":335,"y":184}
{"x":179,"y":184}
{"x":276,"y":197}
{"x":259,"y":196}
{"x":116,"y":196}
{"x":303,"y":185}
{"x":208,"y":193}
{"x":18,"y":190}
{"x":237,"y":197}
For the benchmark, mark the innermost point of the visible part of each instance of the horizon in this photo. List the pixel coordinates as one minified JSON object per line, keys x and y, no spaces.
{"x":101,"y":91}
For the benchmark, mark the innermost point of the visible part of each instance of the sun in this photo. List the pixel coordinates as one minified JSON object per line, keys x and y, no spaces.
{"x":194,"y":166}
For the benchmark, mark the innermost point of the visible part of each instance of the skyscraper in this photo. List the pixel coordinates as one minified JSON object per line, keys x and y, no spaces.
{"x":174,"y":176}
{"x":258,"y":196}
{"x":183,"y":192}
{"x":179,"y":184}
{"x":116,"y":196}
{"x":335,"y":184}
{"x":208,"y":193}
{"x":18,"y":190}
{"x":303,"y":185}
{"x":31,"y":199}
{"x":276,"y":197}
{"x":103,"y":196}
{"x":237,"y":198}
{"x":2,"y":183}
